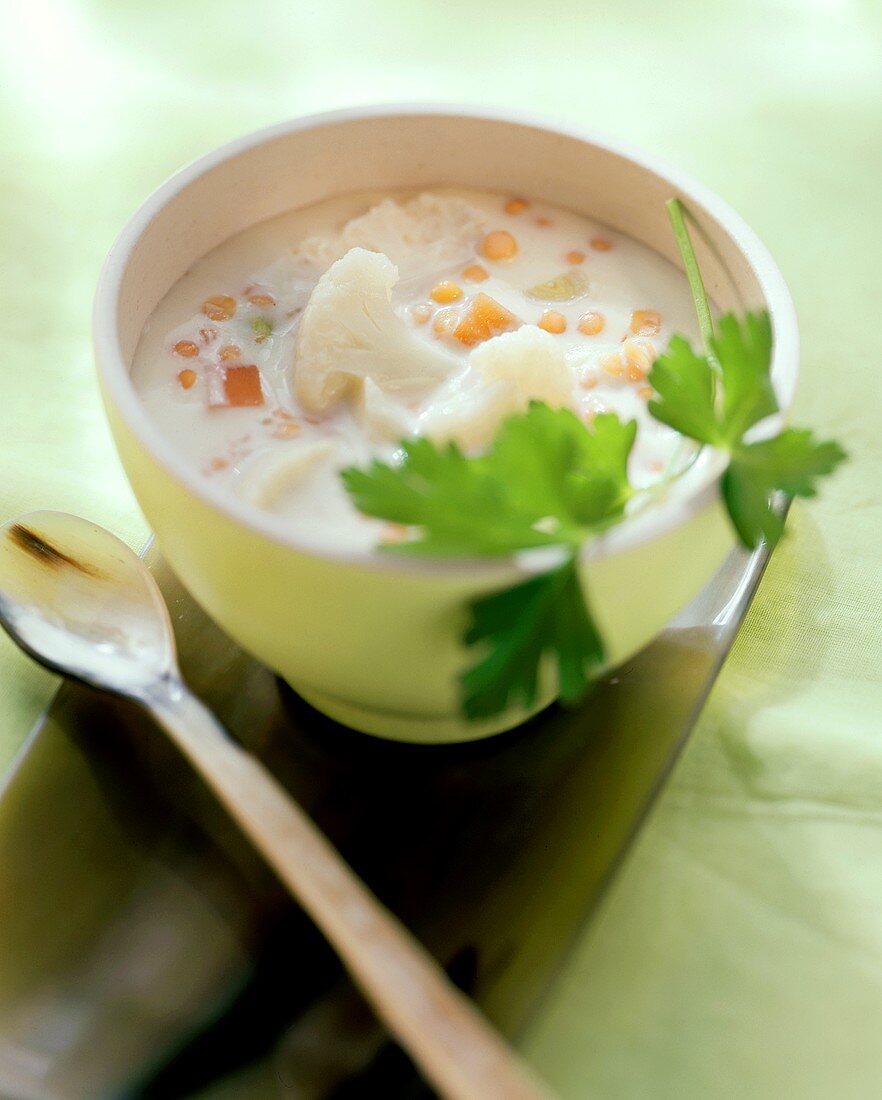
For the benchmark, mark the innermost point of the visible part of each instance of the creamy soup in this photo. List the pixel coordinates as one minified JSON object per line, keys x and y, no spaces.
{"x":325,"y":337}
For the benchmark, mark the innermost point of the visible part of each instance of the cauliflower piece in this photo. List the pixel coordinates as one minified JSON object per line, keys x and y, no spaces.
{"x":532,"y":360}
{"x":382,"y":416}
{"x":471,"y":418}
{"x":424,"y":235}
{"x":266,"y":481}
{"x":349,"y":331}
{"x":512,"y":370}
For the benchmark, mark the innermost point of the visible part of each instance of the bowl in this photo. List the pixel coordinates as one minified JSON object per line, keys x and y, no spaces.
{"x":373,"y":640}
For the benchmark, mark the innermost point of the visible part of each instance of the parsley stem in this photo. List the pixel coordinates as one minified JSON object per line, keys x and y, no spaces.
{"x":677,"y":214}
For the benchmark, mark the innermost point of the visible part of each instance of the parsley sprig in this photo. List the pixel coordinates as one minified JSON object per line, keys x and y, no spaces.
{"x":548,"y":480}
{"x":718,"y":397}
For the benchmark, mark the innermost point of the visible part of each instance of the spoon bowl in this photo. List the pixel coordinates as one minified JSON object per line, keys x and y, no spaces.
{"x":79,"y":601}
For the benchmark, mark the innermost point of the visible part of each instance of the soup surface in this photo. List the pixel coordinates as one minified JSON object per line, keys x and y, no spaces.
{"x":323,"y":338}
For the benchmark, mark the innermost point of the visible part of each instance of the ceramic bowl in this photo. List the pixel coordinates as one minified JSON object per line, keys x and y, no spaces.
{"x":374,"y":641}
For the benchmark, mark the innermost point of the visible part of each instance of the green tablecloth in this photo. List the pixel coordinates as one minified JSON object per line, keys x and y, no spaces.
{"x":740,"y":952}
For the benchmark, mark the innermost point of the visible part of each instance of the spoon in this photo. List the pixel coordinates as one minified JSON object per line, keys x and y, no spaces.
{"x":80,"y":602}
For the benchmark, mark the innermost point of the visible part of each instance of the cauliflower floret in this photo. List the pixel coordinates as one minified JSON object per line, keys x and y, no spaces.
{"x":470,"y":419}
{"x":425,"y":234}
{"x":382,"y":416}
{"x":349,"y":331}
{"x":267,"y":479}
{"x":532,"y":360}
{"x":512,"y":370}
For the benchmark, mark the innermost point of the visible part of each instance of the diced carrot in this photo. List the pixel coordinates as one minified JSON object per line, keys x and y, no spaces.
{"x":187,"y":378}
{"x":186,"y":349}
{"x":516,"y":206}
{"x":242,"y":386}
{"x":220,"y":307}
{"x":484,"y":318}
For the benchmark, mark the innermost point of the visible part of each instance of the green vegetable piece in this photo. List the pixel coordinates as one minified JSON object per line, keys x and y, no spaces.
{"x":568,"y":287}
{"x":262,"y":328}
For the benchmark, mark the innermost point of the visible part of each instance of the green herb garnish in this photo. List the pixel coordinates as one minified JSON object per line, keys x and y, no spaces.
{"x":262,"y":328}
{"x":548,"y":480}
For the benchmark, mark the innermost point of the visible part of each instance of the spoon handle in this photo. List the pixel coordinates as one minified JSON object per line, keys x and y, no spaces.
{"x":459,"y":1052}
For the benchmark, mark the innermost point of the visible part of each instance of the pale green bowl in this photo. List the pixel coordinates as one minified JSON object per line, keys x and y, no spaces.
{"x":374,"y":641}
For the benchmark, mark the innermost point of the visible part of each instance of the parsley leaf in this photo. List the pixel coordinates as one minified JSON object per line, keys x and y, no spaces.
{"x":789,"y":463}
{"x":518,"y":626}
{"x":685,"y":385}
{"x":717,"y":398}
{"x":547,"y":480}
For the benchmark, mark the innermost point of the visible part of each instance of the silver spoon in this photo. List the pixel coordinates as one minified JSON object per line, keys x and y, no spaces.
{"x":82,"y":603}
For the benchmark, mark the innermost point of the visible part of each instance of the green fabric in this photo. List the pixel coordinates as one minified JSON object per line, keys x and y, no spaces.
{"x":740,"y":951}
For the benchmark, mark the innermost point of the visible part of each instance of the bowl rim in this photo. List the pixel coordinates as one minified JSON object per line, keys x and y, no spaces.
{"x":649,"y":523}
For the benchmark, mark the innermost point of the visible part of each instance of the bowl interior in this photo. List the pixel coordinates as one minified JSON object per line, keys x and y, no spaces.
{"x":299,"y":163}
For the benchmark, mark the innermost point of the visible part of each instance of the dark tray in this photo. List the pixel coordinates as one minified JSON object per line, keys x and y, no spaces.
{"x":145,"y":951}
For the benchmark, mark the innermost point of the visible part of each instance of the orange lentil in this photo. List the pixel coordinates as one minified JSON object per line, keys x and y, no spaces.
{"x":283,"y":414}
{"x":187,"y":378}
{"x":230,"y":352}
{"x":588,"y":383}
{"x":265,"y":301}
{"x":553,"y":322}
{"x":218,"y":464}
{"x":645,"y":392}
{"x":601,"y":244}
{"x":575,"y":257}
{"x":186,"y":349}
{"x":591,"y":323}
{"x":445,"y":292}
{"x":516,"y":206}
{"x":445,"y":321}
{"x":421,"y":313}
{"x":613,"y":366}
{"x":543,"y":221}
{"x":220,"y":307}
{"x":475,"y":273}
{"x":286,"y":430}
{"x":645,"y":322}
{"x":207,"y":335}
{"x":499,"y":245}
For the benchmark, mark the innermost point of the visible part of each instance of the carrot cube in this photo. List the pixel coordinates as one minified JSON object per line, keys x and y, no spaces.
{"x":242,"y":386}
{"x":484,"y":318}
